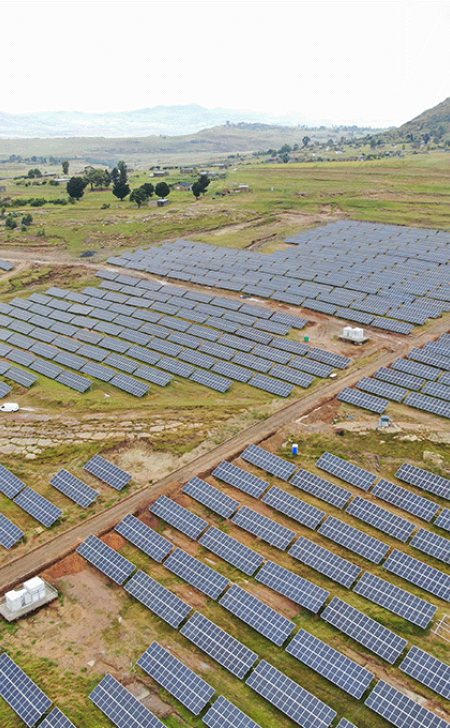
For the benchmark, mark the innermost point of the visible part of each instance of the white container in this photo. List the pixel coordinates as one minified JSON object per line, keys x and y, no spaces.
{"x":13,"y":600}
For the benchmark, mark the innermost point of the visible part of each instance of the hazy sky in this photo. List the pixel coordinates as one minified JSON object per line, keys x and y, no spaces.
{"x":372,"y":63}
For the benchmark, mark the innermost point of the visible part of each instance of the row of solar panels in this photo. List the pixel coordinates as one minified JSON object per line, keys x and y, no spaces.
{"x":44,"y":332}
{"x":228,"y":651}
{"x":421,"y":381}
{"x":336,"y":283}
{"x":41,"y":508}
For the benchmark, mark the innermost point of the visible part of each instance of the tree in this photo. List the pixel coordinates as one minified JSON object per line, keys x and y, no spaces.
{"x":75,"y":187}
{"x":10,"y":223}
{"x":149,"y":189}
{"x":27,"y":219}
{"x":162,"y":189}
{"x":201,"y":186}
{"x":119,"y":176}
{"x":285,"y":158}
{"x":97,"y":178}
{"x":196,"y":189}
{"x":139,"y":196}
{"x":34,"y":173}
{"x":65,"y":166}
{"x":306,"y":140}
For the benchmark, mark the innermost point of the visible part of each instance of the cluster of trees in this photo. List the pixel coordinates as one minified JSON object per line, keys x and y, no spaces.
{"x":11,"y":221}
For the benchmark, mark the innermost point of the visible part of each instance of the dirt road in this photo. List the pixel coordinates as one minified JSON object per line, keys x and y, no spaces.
{"x":43,"y":556}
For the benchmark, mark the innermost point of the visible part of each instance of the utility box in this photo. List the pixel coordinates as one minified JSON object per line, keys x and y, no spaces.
{"x":353,"y":334}
{"x":32,"y":594}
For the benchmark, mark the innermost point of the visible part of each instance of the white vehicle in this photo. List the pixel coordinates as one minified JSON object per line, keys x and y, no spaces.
{"x":9,"y":407}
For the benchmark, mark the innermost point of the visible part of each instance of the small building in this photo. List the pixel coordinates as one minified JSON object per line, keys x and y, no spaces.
{"x":160,"y":173}
{"x":183,"y":187}
{"x":34,"y":593}
{"x":187,"y":170}
{"x":162,"y":202}
{"x":2,"y":189}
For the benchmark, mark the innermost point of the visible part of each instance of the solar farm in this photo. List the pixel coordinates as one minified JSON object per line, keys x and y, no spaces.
{"x":255,"y":583}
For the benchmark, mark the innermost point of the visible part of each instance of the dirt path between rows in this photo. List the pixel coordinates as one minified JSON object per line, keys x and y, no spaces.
{"x":52,"y":551}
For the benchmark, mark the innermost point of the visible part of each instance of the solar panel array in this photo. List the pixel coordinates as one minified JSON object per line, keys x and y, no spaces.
{"x":37,"y":506}
{"x":381,"y":518}
{"x":10,"y":534}
{"x":106,"y":559}
{"x":424,"y":479}
{"x":396,"y":600}
{"x":401,"y":710}
{"x":74,"y":488}
{"x":332,"y":664}
{"x":273,"y":464}
{"x":57,"y":719}
{"x":144,"y":537}
{"x":211,"y":497}
{"x":242,"y":479}
{"x":107,"y":472}
{"x":295,"y":587}
{"x":419,"y":573}
{"x":224,"y":714}
{"x":427,"y":670}
{"x":179,"y":517}
{"x":231,"y":550}
{"x":260,"y":616}
{"x":432,"y":544}
{"x":365,"y":630}
{"x":346,"y":471}
{"x":179,"y":680}
{"x":323,"y":489}
{"x":353,"y":539}
{"x":158,"y":599}
{"x":10,"y":484}
{"x":195,"y":572}
{"x":121,"y":706}
{"x":405,"y":499}
{"x":325,"y":561}
{"x":264,"y":527}
{"x":20,"y":692}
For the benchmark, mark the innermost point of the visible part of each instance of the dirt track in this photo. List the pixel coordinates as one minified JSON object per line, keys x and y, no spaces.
{"x":43,"y":556}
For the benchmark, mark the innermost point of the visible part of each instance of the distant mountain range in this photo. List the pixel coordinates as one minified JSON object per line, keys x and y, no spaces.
{"x":159,"y":120}
{"x":435,"y":122}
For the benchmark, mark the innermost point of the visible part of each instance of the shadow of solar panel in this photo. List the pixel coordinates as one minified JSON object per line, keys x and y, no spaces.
{"x":288,"y":696}
{"x":417,"y":572}
{"x":361,"y":399}
{"x":260,"y":616}
{"x":37,"y":506}
{"x":443,"y":520}
{"x":144,"y":537}
{"x":181,"y":682}
{"x":130,"y":385}
{"x":381,"y":518}
{"x":400,"y":710}
{"x":264,"y":528}
{"x":364,"y":630}
{"x":158,"y":599}
{"x":218,"y":644}
{"x":211,"y":497}
{"x":106,"y":559}
{"x":239,"y":478}
{"x":406,"y":499}
{"x":74,"y":381}
{"x":179,"y":517}
{"x":20,"y":692}
{"x":424,"y":479}
{"x":294,"y":507}
{"x":321,"y":488}
{"x":107,"y":472}
{"x":196,"y":573}
{"x":273,"y":464}
{"x":295,"y":587}
{"x":10,"y":534}
{"x":231,"y":550}
{"x":121,"y":707}
{"x":432,"y":544}
{"x":224,"y":714}
{"x":396,"y":600}
{"x":427,"y":670}
{"x":330,"y":663}
{"x":74,"y":488}
{"x":353,"y":539}
{"x":57,"y":719}
{"x":346,"y":471}
{"x":10,"y":485}
{"x":325,"y":562}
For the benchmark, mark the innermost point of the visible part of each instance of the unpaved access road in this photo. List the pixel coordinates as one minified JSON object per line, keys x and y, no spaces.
{"x":47,"y":554}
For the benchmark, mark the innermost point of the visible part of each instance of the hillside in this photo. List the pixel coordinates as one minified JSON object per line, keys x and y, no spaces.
{"x":435,"y":122}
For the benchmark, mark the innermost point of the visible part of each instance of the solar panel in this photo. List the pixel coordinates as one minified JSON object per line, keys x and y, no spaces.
{"x":268,"y":384}
{"x":330,"y":663}
{"x":144,"y":537}
{"x":203,"y":577}
{"x":402,"y":379}
{"x":295,"y":587}
{"x":288,"y":374}
{"x":346,"y":471}
{"x":158,"y":599}
{"x":37,"y":506}
{"x":211,"y":497}
{"x":162,"y":379}
{"x":107,"y":472}
{"x":218,"y":644}
{"x":10,"y":534}
{"x":224,"y":714}
{"x":180,"y":681}
{"x":130,"y":385}
{"x":57,"y":719}
{"x":21,"y":693}
{"x":105,"y":374}
{"x":268,"y":461}
{"x":395,"y":599}
{"x":353,"y":539}
{"x":106,"y":559}
{"x":74,"y":381}
{"x":361,"y":399}
{"x":231,"y":550}
{"x":260,"y":616}
{"x":311,"y":367}
{"x":381,"y":518}
{"x":427,"y":670}
{"x":264,"y":528}
{"x":294,"y":507}
{"x":121,"y":707}
{"x":383,"y":389}
{"x":401,"y":710}
{"x":365,"y":630}
{"x":323,"y":489}
{"x":288,"y":696}
{"x":418,"y":573}
{"x":74,"y":488}
{"x":179,"y":517}
{"x":213,"y":381}
{"x":424,"y":479}
{"x":443,"y":520}
{"x":344,"y":723}
{"x":325,"y":561}
{"x":428,"y":404}
{"x":432,"y":544}
{"x":239,"y":478}
{"x":10,"y":485}
{"x":416,"y":369}
{"x":405,"y":499}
